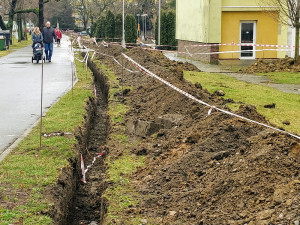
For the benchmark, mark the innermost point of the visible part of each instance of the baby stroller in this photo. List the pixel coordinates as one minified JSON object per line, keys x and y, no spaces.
{"x":37,"y":52}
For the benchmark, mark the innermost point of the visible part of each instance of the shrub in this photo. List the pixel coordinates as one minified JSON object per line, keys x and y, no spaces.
{"x":110,"y":25}
{"x":118,"y":26}
{"x":130,"y":29}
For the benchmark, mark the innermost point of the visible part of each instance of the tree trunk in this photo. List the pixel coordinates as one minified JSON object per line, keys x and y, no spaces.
{"x":21,"y":28}
{"x":11,"y":17}
{"x":41,"y":14}
{"x":19,"y":22}
{"x":85,"y":21}
{"x":25,"y":32}
{"x":2,"y":25}
{"x":297,"y":58}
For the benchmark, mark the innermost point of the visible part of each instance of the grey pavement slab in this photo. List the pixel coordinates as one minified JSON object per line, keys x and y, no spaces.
{"x":250,"y":78}
{"x":20,"y":89}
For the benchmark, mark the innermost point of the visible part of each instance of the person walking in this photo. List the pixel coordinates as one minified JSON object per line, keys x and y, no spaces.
{"x":49,"y":35}
{"x":37,"y":37}
{"x":58,"y":36}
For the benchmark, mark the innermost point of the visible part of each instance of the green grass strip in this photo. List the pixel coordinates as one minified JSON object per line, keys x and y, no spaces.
{"x":287,"y":105}
{"x":16,"y":45}
{"x":28,"y":170}
{"x":282,"y":77}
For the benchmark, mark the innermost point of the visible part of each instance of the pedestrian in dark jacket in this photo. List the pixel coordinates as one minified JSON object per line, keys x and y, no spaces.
{"x":37,"y":37}
{"x":49,"y":35}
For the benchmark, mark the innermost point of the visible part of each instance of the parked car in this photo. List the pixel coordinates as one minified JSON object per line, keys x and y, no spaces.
{"x":83,"y":33}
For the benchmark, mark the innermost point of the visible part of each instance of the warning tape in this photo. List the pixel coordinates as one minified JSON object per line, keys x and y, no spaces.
{"x":202,"y":102}
{"x":241,"y":51}
{"x":209,"y":45}
{"x":85,"y":59}
{"x":242,"y":44}
{"x":187,"y":52}
{"x":82,"y":169}
{"x":85,"y":170}
{"x":143,"y":69}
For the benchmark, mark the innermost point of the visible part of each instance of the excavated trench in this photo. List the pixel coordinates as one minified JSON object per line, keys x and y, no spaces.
{"x":89,"y":207}
{"x":77,"y":202}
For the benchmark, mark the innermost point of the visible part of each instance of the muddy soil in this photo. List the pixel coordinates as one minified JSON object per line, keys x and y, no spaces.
{"x":203,"y":169}
{"x":88,"y":205}
{"x":279,"y":65}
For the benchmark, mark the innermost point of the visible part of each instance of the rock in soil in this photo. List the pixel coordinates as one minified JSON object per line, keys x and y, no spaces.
{"x":219,"y":93}
{"x":270,"y":106}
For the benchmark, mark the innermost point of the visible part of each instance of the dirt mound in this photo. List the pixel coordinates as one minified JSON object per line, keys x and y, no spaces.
{"x":278,"y":65}
{"x":204,"y":169}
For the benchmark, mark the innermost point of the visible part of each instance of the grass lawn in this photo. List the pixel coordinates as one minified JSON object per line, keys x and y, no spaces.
{"x":28,"y":170}
{"x":16,"y":45}
{"x":282,"y":77}
{"x":287,"y":105}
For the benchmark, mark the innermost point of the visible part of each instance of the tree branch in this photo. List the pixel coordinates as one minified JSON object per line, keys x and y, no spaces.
{"x":35,"y":11}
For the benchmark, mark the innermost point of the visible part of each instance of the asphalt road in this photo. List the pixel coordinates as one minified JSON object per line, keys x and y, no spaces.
{"x":20,"y":89}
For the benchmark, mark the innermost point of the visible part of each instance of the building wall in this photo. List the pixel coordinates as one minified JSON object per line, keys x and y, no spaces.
{"x":266,"y":32}
{"x":244,"y":5}
{"x":215,"y":14}
{"x":218,"y":21}
{"x":198,"y":20}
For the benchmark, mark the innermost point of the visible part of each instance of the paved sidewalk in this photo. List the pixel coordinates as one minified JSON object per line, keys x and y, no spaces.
{"x":20,"y":86}
{"x":250,"y":78}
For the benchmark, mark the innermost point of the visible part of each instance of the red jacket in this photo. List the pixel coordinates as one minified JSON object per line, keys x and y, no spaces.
{"x":58,"y":34}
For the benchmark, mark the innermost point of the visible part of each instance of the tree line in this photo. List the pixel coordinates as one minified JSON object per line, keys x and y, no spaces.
{"x":167,"y":29}
{"x":109,"y":27}
{"x":36,"y":11}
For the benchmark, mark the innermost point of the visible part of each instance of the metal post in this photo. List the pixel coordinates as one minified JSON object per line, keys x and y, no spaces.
{"x":145,"y":27}
{"x":73,"y":69}
{"x":123,"y":38}
{"x":42,"y":87}
{"x":232,"y":48}
{"x":122,"y":79}
{"x":159,"y":20}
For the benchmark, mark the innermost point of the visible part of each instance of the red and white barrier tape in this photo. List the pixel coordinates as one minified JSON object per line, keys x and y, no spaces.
{"x":202,"y":102}
{"x":85,"y":170}
{"x":210,"y":45}
{"x":85,"y":59}
{"x":78,"y":41}
{"x":241,"y":51}
{"x":243,"y":44}
{"x":142,"y":69}
{"x":82,"y":169}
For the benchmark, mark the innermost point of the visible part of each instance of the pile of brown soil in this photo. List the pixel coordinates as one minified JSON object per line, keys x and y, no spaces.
{"x":203,"y":169}
{"x":278,"y":65}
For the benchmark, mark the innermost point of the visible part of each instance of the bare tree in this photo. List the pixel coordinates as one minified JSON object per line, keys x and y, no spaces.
{"x":90,"y":10}
{"x":289,"y":14}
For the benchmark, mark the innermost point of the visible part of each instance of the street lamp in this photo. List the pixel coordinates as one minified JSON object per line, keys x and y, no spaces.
{"x":159,"y":6}
{"x":123,"y":27}
{"x":145,"y":25}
